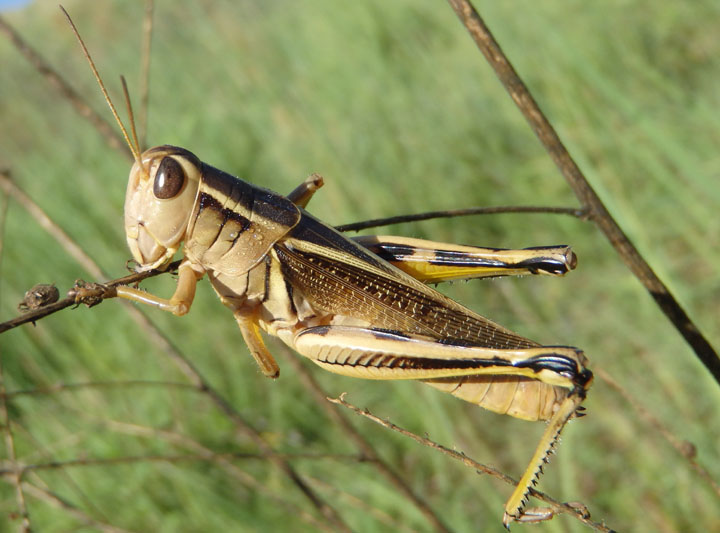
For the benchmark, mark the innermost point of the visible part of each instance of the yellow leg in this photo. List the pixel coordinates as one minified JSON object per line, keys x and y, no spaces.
{"x":515,"y":504}
{"x":301,"y":195}
{"x":180,"y":302}
{"x":433,"y":262}
{"x":251,"y":333}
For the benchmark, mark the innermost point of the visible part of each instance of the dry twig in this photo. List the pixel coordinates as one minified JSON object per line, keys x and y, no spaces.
{"x":107,"y":131}
{"x":575,"y":510}
{"x":453,"y":213}
{"x":589,"y":199}
{"x":366,"y":447}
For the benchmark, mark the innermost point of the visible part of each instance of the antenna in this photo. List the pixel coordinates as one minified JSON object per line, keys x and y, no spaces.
{"x":134,"y":148}
{"x":131,"y":115}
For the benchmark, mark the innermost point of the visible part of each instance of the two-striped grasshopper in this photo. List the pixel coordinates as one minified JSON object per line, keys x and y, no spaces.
{"x":356,"y":307}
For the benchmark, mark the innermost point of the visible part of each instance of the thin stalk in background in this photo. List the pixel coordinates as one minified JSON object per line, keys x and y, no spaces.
{"x":590,"y":201}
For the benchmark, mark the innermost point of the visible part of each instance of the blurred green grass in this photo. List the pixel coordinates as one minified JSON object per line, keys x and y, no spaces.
{"x":392,"y":103}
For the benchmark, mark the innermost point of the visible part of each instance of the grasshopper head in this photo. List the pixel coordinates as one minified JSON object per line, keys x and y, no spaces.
{"x":159,"y":202}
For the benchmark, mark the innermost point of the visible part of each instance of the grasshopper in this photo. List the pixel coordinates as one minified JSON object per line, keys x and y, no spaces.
{"x":357,"y":307}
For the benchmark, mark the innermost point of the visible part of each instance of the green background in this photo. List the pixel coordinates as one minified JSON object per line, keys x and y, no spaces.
{"x":393,"y":104}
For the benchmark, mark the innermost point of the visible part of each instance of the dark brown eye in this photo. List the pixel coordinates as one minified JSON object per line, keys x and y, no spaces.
{"x":169,"y":179}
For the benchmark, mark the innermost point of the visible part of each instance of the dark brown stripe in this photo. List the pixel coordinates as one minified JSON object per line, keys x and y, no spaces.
{"x":268,"y":265}
{"x":210,"y":202}
{"x":555,"y":363}
{"x":545,"y":264}
{"x":228,"y":185}
{"x":383,"y":333}
{"x":176,"y":150}
{"x":289,"y":290}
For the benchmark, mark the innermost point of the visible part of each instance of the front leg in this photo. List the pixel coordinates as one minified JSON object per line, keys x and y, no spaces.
{"x":180,"y":302}
{"x":248,"y":323}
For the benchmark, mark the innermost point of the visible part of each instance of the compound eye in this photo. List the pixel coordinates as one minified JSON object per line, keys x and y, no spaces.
{"x":169,"y":179}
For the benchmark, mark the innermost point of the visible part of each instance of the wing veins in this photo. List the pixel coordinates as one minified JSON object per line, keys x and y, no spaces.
{"x":388,"y":303}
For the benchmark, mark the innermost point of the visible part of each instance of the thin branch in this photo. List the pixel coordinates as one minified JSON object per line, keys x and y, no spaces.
{"x":452,"y":213}
{"x":56,"y":501}
{"x":386,"y":520}
{"x":3,"y":214}
{"x":41,"y":449}
{"x":228,"y":467}
{"x":16,"y":193}
{"x":581,"y":187}
{"x":90,"y":294}
{"x":147,"y":32}
{"x":106,"y":130}
{"x":14,"y":472}
{"x":165,"y":458}
{"x":364,"y":446}
{"x":684,"y":448}
{"x":557,"y":507}
{"x":16,"y":475}
{"x":325,"y":509}
{"x":62,"y":387}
